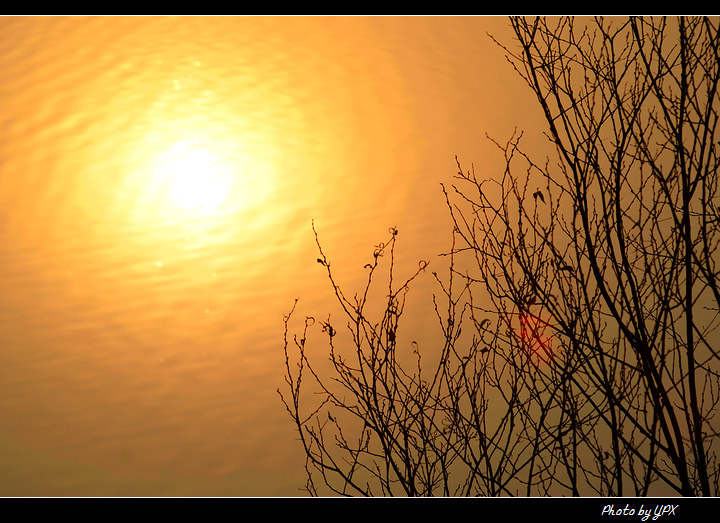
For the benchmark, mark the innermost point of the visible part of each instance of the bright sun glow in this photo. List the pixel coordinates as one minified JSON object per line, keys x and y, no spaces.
{"x":194,"y":178}
{"x":199,"y":183}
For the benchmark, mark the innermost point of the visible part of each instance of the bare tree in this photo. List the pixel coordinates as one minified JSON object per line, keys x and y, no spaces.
{"x":581,"y":307}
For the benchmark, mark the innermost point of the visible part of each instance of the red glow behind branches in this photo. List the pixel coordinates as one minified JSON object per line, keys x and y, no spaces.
{"x":535,"y":338}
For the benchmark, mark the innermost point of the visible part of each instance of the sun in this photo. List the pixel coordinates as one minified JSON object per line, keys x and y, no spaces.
{"x":196,"y":183}
{"x":193,"y":178}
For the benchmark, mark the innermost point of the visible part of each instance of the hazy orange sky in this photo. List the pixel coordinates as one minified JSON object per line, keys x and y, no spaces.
{"x":160,"y":175}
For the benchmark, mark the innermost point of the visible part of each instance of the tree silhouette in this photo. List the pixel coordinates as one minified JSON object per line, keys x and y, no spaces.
{"x":580,"y":309}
